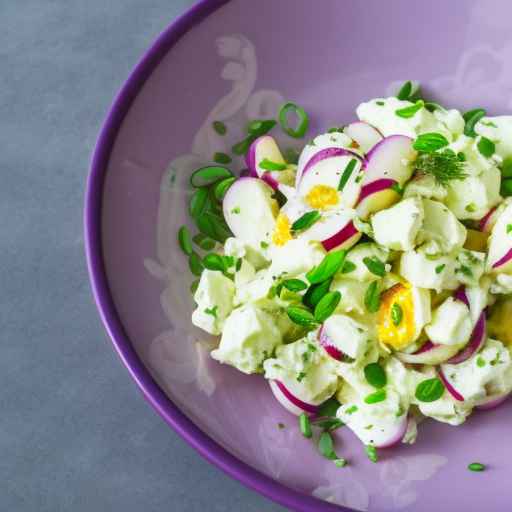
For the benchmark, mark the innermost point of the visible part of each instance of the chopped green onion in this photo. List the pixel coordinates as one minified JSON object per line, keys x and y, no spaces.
{"x":348,"y":267}
{"x":375,"y":266}
{"x":205,"y":176}
{"x":471,"y":118}
{"x":408,"y":112}
{"x":431,"y":106}
{"x":372,"y":297}
{"x":302,"y":124}
{"x":221,"y":158}
{"x":430,"y":142}
{"x":374,"y":398}
{"x":486,"y":147}
{"x":349,"y":169}
{"x":408,"y":90}
{"x":300,"y":316}
{"x":305,"y":425}
{"x":268,"y":165}
{"x":194,"y":285}
{"x":315,"y":293}
{"x":506,"y":167}
{"x":241,"y":148}
{"x":306,"y":221}
{"x":219,"y":127}
{"x":260,"y":127}
{"x":352,"y":409}
{"x":331,"y":263}
{"x":340,"y":463}
{"x":375,"y":375}
{"x":330,"y":424}
{"x":396,"y":314}
{"x":329,"y":408}
{"x":429,"y":390}
{"x":371,"y":452}
{"x":325,"y":308}
{"x":326,"y":446}
{"x":476,"y":466}
{"x":220,"y":188}
{"x":198,"y":202}
{"x":202,"y":241}
{"x":506,"y":187}
{"x":184,"y":240}
{"x":195,"y":264}
{"x":440,"y":268}
{"x":214,"y":261}
{"x":294,"y":285}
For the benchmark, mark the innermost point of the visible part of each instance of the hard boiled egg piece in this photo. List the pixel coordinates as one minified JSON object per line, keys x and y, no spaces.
{"x":403,"y":312}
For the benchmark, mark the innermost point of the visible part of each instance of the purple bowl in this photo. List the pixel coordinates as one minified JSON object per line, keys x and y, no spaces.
{"x":218,"y":63}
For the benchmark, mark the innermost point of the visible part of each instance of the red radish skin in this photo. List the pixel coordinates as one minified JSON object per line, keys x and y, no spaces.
{"x":365,"y":135}
{"x":398,"y":436}
{"x":429,"y":353}
{"x":486,"y":222}
{"x":329,"y":346}
{"x":503,"y":260}
{"x":376,"y":186}
{"x":292,"y":399}
{"x":460,"y":295}
{"x":384,"y":160}
{"x":455,"y":394}
{"x":475,"y":342}
{"x":322,"y":155}
{"x":342,"y":238}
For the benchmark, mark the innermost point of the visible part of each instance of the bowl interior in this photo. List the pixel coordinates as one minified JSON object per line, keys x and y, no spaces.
{"x":240,"y":63}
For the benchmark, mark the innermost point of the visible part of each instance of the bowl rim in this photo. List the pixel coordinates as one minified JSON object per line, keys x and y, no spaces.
{"x":195,"y":437}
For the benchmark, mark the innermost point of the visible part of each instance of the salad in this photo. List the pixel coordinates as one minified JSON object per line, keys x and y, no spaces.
{"x":368,"y":277}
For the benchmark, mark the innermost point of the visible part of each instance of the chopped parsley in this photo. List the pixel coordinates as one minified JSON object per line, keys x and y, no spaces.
{"x":371,"y":452}
{"x":300,"y":376}
{"x":480,"y":361}
{"x":440,"y":268}
{"x":352,"y":409}
{"x":397,"y":314}
{"x":509,"y":228}
{"x":236,"y":210}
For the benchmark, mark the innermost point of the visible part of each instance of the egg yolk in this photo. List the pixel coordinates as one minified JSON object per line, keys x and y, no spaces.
{"x":321,"y":197}
{"x":282,"y":232}
{"x":395,"y":319}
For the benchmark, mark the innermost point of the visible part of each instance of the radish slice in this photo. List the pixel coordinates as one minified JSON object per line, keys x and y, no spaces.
{"x":491,"y":402}
{"x":395,"y":436}
{"x":449,"y":387}
{"x":487,"y":222}
{"x":290,"y":401}
{"x":460,"y":294}
{"x":265,"y":148}
{"x":335,"y":231}
{"x":503,"y":260}
{"x":475,"y":342}
{"x":329,"y":346}
{"x":391,"y":158}
{"x":499,"y":255}
{"x":249,"y":210}
{"x":376,"y":196}
{"x":365,"y":135}
{"x":429,"y":353}
{"x":326,"y":168}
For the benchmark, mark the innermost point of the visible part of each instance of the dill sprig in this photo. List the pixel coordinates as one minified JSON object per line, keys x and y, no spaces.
{"x":445,"y":166}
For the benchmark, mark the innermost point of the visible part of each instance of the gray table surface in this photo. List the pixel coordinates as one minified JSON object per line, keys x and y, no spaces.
{"x":75,"y":432}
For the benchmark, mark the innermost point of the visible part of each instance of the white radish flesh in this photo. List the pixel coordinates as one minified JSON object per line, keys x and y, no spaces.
{"x":365,"y":135}
{"x":249,"y":210}
{"x":326,"y":168}
{"x":430,"y":353}
{"x":289,"y":401}
{"x":335,"y":231}
{"x":391,"y":158}
{"x":265,"y":148}
{"x":376,"y":196}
